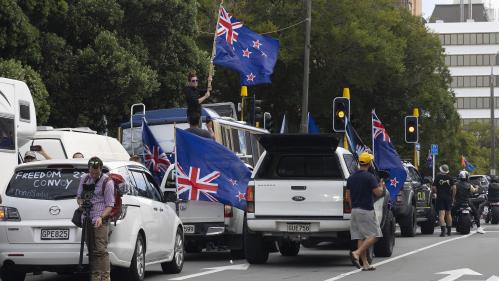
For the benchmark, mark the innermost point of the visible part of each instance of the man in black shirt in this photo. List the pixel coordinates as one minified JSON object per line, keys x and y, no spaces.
{"x":194,"y":96}
{"x":364,"y":227}
{"x":194,"y":119}
{"x":445,"y":189}
{"x":464,"y":189}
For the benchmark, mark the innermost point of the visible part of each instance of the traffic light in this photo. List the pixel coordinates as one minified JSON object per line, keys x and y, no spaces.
{"x":267,"y":121}
{"x":341,"y":110}
{"x":411,"y":129}
{"x":258,"y":111}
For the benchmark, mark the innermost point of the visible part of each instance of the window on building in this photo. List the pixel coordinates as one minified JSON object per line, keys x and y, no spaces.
{"x":479,"y":38}
{"x":460,"y":39}
{"x":467,"y":39}
{"x":453,"y":39}
{"x":486,"y":38}
{"x":472,"y":38}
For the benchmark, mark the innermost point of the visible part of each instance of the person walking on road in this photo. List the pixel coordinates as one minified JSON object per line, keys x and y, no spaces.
{"x":445,"y":189}
{"x":102,"y":201}
{"x":363,"y":224}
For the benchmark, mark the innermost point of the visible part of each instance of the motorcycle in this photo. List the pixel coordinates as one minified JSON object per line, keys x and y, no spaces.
{"x":493,"y":210}
{"x":463,"y":218}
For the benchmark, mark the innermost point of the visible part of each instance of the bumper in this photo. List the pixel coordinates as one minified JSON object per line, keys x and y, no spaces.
{"x":318,"y":228}
{"x":213,"y":232}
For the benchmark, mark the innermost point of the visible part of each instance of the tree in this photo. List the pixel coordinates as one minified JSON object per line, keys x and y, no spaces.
{"x":15,"y":70}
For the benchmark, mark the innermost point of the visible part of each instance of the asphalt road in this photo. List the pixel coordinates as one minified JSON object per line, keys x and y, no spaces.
{"x":419,"y":258}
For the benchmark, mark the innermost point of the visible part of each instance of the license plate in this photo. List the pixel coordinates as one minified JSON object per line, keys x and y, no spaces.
{"x":189,"y":228}
{"x":54,"y":234}
{"x":298,"y":227}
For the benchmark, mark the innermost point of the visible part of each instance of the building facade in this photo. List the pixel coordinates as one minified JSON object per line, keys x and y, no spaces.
{"x":471,"y":50}
{"x":414,"y":6}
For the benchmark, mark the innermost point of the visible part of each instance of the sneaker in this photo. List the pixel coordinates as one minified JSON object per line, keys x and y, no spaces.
{"x":480,"y":230}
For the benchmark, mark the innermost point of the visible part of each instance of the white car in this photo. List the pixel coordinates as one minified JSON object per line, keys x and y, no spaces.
{"x":37,"y":233}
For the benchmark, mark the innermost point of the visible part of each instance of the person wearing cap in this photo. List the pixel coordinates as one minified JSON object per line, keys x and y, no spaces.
{"x":364,"y":227}
{"x":97,"y":229}
{"x":30,"y":156}
{"x":445,"y":189}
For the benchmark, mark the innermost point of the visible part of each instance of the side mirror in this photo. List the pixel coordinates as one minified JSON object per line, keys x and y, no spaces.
{"x":170,"y":196}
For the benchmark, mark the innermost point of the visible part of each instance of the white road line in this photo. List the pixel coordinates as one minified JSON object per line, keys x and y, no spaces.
{"x":401,"y":256}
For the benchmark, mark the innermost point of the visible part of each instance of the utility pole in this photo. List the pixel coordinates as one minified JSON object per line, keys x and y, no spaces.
{"x":306,"y":72}
{"x":492,"y":120}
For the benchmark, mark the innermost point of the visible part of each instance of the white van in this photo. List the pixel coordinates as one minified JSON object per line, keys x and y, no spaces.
{"x":64,"y":142}
{"x":17,"y":124}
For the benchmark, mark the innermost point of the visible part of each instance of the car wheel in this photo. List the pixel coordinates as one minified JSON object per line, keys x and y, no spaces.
{"x":137,"y":268}
{"x":289,"y":248}
{"x":255,"y":249}
{"x":177,"y":263}
{"x":384,"y":246}
{"x":494,"y":215}
{"x":408,"y":225}
{"x":12,"y":275}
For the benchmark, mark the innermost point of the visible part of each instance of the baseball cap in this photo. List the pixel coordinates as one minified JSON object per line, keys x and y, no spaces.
{"x":31,"y":154}
{"x":365,"y":158}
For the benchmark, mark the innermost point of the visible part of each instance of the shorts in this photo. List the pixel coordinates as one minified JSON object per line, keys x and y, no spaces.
{"x":444,"y":204}
{"x":363,"y":224}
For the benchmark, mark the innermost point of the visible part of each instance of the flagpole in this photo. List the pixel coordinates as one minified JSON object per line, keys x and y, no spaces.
{"x":177,"y":209}
{"x":372,"y":134}
{"x":211,"y":71}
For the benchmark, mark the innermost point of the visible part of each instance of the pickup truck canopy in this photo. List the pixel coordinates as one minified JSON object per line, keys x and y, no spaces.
{"x":298,"y":142}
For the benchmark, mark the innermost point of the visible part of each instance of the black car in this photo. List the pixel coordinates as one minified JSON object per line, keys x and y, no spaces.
{"x":413,"y":205}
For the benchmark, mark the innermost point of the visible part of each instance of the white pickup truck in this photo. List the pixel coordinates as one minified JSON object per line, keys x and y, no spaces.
{"x":297,"y":195}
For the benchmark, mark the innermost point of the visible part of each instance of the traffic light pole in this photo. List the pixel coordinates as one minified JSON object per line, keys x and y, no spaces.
{"x":304,"y":106}
{"x":415,"y":112}
{"x":346,"y":94}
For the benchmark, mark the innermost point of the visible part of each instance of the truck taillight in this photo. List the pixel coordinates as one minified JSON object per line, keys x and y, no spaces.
{"x":227,"y":211}
{"x":250,"y":199}
{"x":9,"y":214}
{"x":347,"y":209}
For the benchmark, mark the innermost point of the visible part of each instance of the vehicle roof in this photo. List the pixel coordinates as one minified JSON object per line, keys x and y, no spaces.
{"x":299,"y":142}
{"x":240,"y":124}
{"x":79,"y":163}
{"x":166,"y":116}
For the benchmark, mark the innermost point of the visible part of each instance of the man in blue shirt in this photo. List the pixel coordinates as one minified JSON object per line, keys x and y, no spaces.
{"x":364,"y":227}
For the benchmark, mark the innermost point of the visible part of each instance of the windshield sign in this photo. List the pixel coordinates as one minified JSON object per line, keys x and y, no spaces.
{"x":45,"y":184}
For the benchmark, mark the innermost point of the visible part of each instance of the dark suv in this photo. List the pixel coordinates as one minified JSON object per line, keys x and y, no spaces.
{"x":413,"y":205}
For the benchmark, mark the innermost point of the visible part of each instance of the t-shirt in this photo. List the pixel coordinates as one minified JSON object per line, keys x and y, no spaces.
{"x":443,"y":184}
{"x":200,"y":132}
{"x":191,"y":97}
{"x":361,"y":185}
{"x":463,"y":192}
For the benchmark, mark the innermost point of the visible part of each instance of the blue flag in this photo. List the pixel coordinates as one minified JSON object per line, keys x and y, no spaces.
{"x":467,"y":165}
{"x":245,"y":51}
{"x":155,"y":159}
{"x":208,"y":171}
{"x":312,"y":126}
{"x":429,"y":159}
{"x":355,"y":144}
{"x":386,"y":157}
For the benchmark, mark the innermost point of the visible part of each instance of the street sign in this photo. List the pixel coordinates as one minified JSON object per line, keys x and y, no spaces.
{"x":434,"y":149}
{"x":418,"y":147}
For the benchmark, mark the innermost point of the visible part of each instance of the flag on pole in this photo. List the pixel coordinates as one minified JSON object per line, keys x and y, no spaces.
{"x":208,"y":171}
{"x":355,"y":143}
{"x":312,"y":126}
{"x":156,"y":160}
{"x":284,"y":125}
{"x":239,"y":48}
{"x":386,"y":157}
{"x":429,"y":159}
{"x":467,"y":165}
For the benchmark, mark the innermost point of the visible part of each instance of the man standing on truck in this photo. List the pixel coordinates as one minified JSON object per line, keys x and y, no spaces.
{"x":363,"y":224}
{"x":193,"y":95}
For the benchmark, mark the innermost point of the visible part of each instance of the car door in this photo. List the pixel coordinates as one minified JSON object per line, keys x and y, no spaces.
{"x":147,"y":214}
{"x":164,"y":224}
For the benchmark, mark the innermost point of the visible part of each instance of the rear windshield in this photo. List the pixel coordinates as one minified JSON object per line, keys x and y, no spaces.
{"x":45,"y":184}
{"x":300,"y":166}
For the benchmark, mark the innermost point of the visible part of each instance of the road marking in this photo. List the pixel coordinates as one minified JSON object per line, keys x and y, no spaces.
{"x":457,"y":273}
{"x":401,"y":256}
{"x":243,"y":266}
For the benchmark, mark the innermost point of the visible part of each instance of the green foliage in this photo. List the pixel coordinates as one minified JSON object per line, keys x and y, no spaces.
{"x":15,"y":70}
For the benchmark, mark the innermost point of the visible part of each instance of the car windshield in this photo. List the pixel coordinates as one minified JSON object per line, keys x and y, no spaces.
{"x":45,"y":184}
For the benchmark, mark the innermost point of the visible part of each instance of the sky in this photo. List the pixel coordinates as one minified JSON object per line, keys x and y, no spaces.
{"x":428,"y":5}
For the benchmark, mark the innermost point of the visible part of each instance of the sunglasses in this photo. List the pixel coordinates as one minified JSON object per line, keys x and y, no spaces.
{"x":94,"y":164}
{"x":194,"y":80}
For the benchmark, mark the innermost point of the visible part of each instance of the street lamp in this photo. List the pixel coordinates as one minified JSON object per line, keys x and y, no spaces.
{"x":492,"y":119}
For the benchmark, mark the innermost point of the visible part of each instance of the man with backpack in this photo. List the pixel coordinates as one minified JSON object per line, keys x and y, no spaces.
{"x":98,"y":188}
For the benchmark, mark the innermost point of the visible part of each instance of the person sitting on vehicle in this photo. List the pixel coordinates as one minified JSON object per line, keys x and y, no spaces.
{"x":363,"y":224}
{"x":78,"y":155}
{"x":464,"y":189}
{"x":445,"y":189}
{"x":30,"y":156}
{"x":194,"y":126}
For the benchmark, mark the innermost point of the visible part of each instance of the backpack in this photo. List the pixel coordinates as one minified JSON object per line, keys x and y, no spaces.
{"x":119,"y":190}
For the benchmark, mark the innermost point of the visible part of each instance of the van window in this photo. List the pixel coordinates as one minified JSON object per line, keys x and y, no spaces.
{"x":123,"y":171}
{"x":152,"y":188}
{"x":45,"y":184}
{"x":53,"y":147}
{"x":24,"y":113}
{"x":141,"y":185}
{"x":7,"y":134}
{"x":302,"y":166}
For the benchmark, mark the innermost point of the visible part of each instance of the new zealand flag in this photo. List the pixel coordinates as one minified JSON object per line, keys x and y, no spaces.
{"x":208,"y":171}
{"x":245,"y":51}
{"x":155,"y":159}
{"x":386,"y":157}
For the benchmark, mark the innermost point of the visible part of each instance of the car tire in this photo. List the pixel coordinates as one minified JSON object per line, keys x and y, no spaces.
{"x":177,"y":263}
{"x":255,"y":249}
{"x":408,"y":225}
{"x":137,"y":269}
{"x":384,"y":246}
{"x":289,"y":248}
{"x":428,"y":226}
{"x":494,"y":215}
{"x":7,"y":274}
